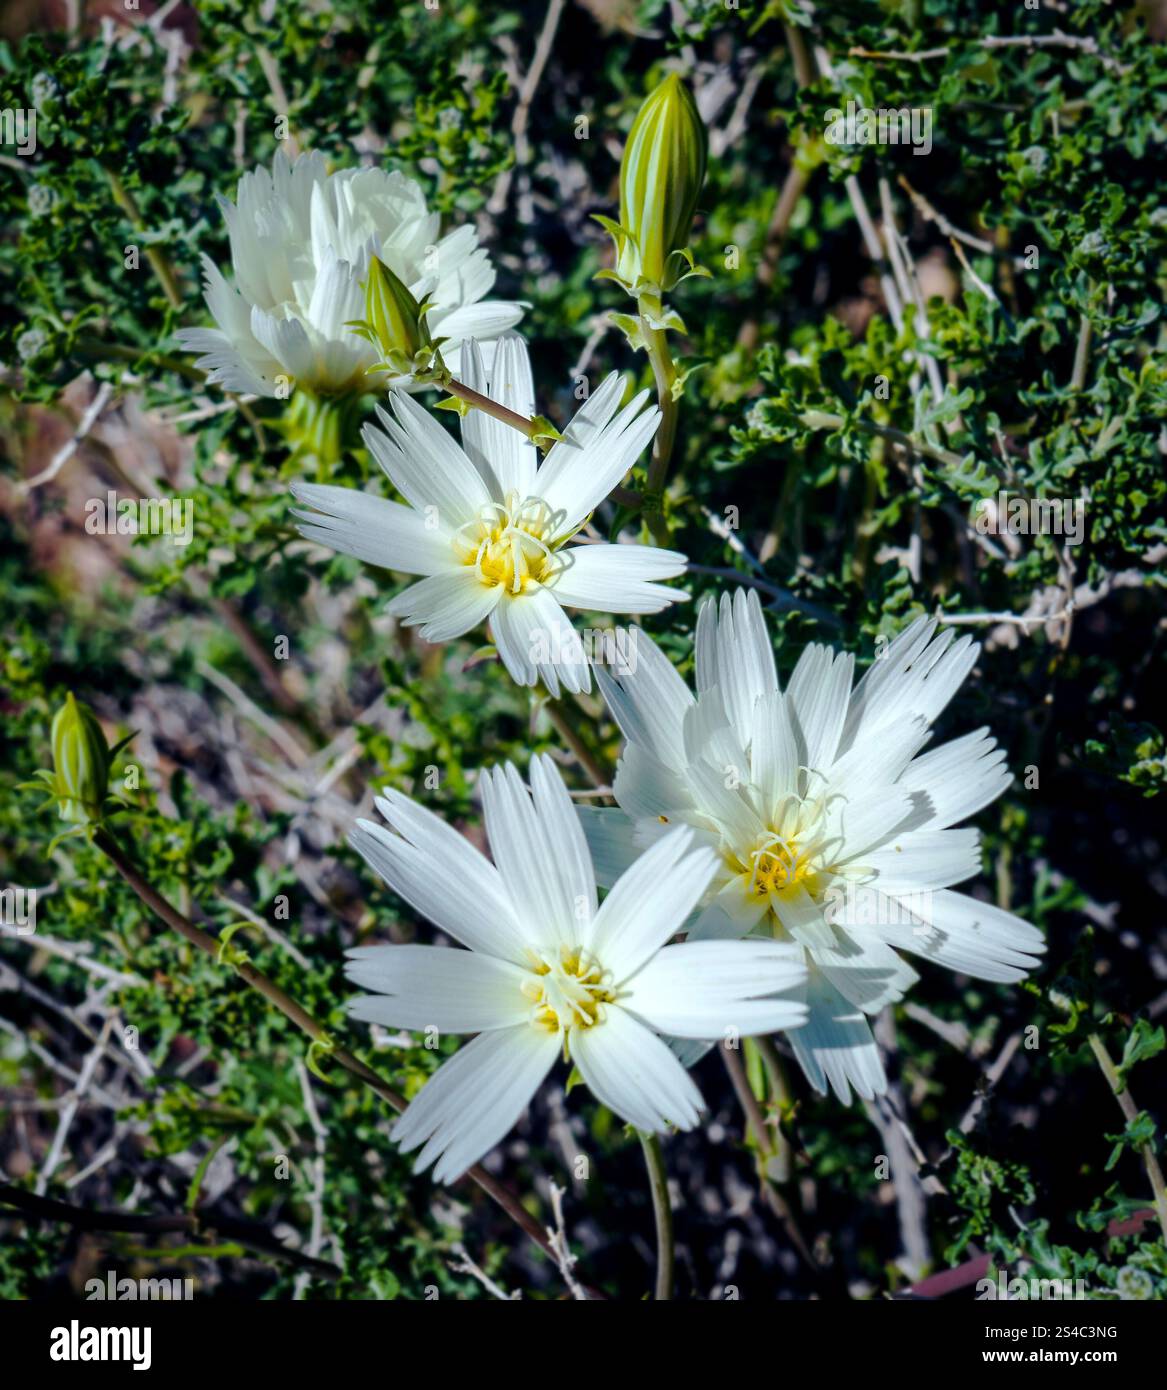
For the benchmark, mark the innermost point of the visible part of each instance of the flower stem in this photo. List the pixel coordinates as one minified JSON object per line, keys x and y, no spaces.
{"x":538,"y":430}
{"x":783,"y":1166}
{"x":123,"y":352}
{"x":489,"y":407}
{"x":664,"y":372}
{"x":508,"y":1200}
{"x":768,"y":1157}
{"x":823,"y":420}
{"x":658,"y":1183}
{"x":157,"y":258}
{"x":1130,"y":1112}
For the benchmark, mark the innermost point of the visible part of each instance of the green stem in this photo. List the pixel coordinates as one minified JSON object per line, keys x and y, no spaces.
{"x":783,"y":1164}
{"x":654,"y":1162}
{"x":94,"y":347}
{"x":823,"y":420}
{"x":766,"y":1154}
{"x":664,"y":373}
{"x":1130,"y":1113}
{"x":489,"y":407}
{"x":538,"y":430}
{"x":158,"y":262}
{"x":1082,"y":354}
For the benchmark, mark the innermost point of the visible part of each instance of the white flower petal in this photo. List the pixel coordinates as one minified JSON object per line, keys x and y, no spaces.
{"x":446,"y":605}
{"x":425,"y":465}
{"x":467,"y":901}
{"x":581,"y":469}
{"x":648,"y":700}
{"x":871,"y":818}
{"x":729,"y":916}
{"x":645,"y":787}
{"x":527,"y":853}
{"x":226,"y":365}
{"x":419,"y":987}
{"x":631,"y":1071}
{"x":733,"y":651}
{"x":959,"y":778}
{"x":617,"y":578}
{"x":720,"y":793}
{"x":475,"y":1099}
{"x":569,"y":863}
{"x":879,"y":761}
{"x":536,"y":641}
{"x":287,"y":340}
{"x":584,"y":428}
{"x":649,"y":903}
{"x":924,"y":859}
{"x":802,"y":917}
{"x":719,"y":989}
{"x":835,"y":1045}
{"x":337,"y":300}
{"x":485,"y":320}
{"x":615,"y":840}
{"x":774,"y":758}
{"x":710,"y":737}
{"x":817,"y":699}
{"x":864,"y":969}
{"x":917,"y":676}
{"x":373,"y":529}
{"x":963,"y":934}
{"x":506,"y":460}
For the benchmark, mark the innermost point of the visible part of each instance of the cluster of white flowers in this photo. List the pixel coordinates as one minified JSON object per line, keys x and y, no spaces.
{"x":301,"y":241}
{"x":798,"y":840}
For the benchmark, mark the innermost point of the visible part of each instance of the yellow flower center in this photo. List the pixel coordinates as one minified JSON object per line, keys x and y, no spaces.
{"x":792,"y":854}
{"x":507,"y":544}
{"x":777,"y":866}
{"x":567,"y":989}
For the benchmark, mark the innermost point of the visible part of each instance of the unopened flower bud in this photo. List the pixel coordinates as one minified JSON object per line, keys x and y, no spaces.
{"x":395,"y":320}
{"x":81,"y":763}
{"x":660,"y":181}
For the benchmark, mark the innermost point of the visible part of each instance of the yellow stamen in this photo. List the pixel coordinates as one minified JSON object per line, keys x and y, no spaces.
{"x":507,"y":544}
{"x":567,"y":989}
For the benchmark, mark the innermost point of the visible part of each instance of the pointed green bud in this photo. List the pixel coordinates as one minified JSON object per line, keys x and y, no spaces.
{"x":660,"y":181}
{"x":81,"y":763}
{"x":395,"y":320}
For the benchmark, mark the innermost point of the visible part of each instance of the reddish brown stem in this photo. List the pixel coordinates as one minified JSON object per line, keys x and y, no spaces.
{"x":497,"y":1191}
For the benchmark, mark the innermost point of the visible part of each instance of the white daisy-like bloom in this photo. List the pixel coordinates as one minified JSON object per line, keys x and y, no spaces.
{"x":832,"y":829}
{"x":491,"y":527}
{"x":301,"y":239}
{"x":547,"y":972}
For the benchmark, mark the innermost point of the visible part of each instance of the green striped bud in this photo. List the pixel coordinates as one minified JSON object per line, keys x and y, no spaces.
{"x":81,"y":763}
{"x":395,"y":321}
{"x":660,"y":181}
